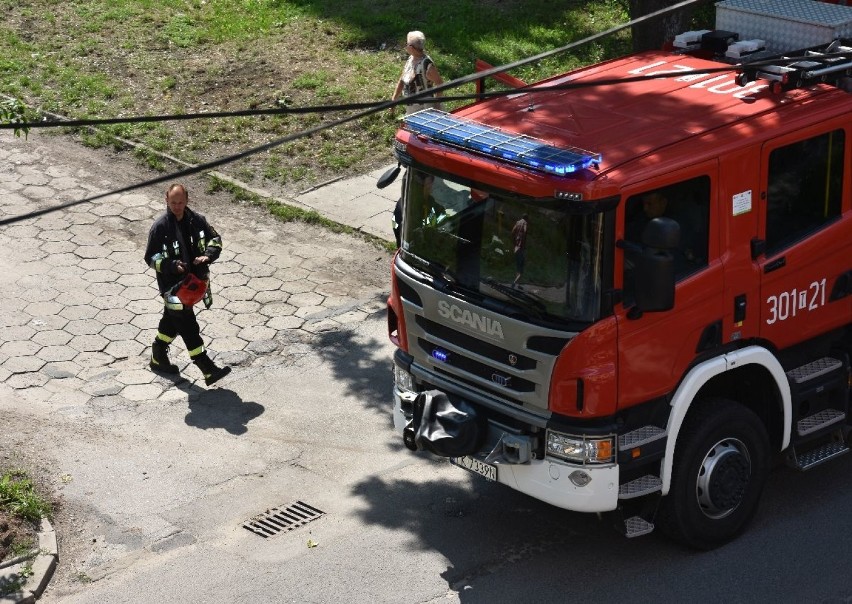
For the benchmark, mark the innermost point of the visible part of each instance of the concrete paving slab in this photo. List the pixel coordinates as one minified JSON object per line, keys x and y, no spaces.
{"x":80,"y":310}
{"x":356,"y":202}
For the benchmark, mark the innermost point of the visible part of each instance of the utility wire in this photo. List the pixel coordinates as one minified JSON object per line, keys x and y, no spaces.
{"x":139,"y":119}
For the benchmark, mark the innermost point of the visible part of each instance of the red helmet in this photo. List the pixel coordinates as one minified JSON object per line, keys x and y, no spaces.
{"x":191,"y":290}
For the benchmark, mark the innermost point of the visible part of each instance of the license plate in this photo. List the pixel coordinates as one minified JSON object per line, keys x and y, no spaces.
{"x":474,"y":465}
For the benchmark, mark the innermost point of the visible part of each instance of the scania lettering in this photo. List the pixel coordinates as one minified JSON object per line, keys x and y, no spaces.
{"x":473,"y":320}
{"x":629,"y":297}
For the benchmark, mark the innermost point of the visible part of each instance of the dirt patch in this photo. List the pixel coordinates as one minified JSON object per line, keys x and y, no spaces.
{"x":15,"y":532}
{"x":19,"y":535}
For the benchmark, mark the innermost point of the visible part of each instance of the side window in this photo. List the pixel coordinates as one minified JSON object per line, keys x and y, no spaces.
{"x":688,"y":203}
{"x":804,"y":188}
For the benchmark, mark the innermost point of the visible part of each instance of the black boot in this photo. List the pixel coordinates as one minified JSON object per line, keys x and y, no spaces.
{"x":211,"y":372}
{"x":160,"y":358}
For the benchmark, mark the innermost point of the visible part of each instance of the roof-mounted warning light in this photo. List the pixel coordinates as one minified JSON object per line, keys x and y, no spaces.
{"x":519,"y":149}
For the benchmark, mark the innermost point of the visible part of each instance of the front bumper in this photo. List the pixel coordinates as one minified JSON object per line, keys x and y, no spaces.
{"x":547,"y":479}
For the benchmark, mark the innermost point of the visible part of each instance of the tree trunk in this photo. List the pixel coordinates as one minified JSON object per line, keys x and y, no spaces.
{"x":654,"y":33}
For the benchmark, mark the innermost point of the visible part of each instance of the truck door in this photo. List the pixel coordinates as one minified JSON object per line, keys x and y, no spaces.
{"x":655,"y":348}
{"x":804,"y":235}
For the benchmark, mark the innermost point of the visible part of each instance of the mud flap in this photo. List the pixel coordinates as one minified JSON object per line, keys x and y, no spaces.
{"x":443,"y":427}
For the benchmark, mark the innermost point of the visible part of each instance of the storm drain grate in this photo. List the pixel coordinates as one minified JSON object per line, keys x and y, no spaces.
{"x":277,"y":520}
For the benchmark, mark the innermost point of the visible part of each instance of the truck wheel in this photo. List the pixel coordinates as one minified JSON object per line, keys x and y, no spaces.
{"x":721,"y":464}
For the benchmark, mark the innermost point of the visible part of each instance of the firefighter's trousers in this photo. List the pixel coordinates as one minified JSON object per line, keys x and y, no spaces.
{"x":184,"y":324}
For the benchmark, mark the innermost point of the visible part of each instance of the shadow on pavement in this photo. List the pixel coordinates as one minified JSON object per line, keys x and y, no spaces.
{"x":219,"y":408}
{"x":361,"y":365}
{"x":485,"y":531}
{"x":499,"y":544}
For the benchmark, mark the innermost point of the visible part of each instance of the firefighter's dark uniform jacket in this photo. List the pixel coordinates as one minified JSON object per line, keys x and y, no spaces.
{"x":170,"y":241}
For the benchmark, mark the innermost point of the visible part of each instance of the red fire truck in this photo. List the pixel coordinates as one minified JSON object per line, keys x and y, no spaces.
{"x":633,"y":294}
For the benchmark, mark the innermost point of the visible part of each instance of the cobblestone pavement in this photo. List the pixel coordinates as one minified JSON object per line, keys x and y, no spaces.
{"x":79,"y":308}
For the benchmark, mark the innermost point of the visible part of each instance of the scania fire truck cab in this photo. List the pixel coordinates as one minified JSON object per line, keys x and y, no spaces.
{"x":631,"y":296}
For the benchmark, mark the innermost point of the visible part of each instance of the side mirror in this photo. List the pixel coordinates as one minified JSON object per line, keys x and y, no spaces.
{"x":655,"y":267}
{"x":662,"y":233}
{"x":388,"y":177}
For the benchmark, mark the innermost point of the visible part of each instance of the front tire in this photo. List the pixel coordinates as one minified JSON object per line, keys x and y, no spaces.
{"x":721,"y":464}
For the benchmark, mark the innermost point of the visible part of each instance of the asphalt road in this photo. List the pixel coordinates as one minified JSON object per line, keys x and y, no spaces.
{"x":161,"y":502}
{"x":157,"y":478}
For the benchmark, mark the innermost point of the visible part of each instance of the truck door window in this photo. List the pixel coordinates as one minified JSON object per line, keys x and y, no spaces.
{"x":804,"y":188}
{"x":688,"y":203}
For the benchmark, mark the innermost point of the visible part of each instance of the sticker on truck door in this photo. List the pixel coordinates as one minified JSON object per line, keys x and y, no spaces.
{"x":741,"y":203}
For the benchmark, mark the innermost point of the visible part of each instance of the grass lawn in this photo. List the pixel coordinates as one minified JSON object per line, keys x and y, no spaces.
{"x":109,"y":58}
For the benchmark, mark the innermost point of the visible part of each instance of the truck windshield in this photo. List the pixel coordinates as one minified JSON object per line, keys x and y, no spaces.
{"x":535,"y":255}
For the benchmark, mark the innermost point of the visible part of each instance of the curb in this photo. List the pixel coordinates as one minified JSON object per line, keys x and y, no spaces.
{"x":42,"y":563}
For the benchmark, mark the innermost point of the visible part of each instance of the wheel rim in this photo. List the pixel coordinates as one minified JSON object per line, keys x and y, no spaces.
{"x":723,"y":478}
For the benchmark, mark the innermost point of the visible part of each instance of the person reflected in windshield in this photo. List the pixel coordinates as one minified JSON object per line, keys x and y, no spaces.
{"x":519,"y":242}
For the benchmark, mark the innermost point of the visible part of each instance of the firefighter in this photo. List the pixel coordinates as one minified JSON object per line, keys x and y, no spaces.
{"x":181,"y":246}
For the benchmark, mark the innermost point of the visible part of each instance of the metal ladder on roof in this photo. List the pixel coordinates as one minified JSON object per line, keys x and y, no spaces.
{"x":831,"y":63}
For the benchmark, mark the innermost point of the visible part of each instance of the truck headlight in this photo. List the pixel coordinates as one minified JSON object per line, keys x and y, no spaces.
{"x":580,"y":449}
{"x":402,"y":379}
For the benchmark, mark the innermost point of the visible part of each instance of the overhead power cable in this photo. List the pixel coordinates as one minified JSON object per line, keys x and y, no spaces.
{"x":419,"y":97}
{"x":174,"y":117}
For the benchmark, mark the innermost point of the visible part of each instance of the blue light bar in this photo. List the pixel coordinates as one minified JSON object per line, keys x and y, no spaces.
{"x":491,"y":141}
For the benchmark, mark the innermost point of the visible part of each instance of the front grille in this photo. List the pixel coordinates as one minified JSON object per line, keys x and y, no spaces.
{"x":486,"y":372}
{"x":505,"y":369}
{"x":492,"y":392}
{"x":494,"y":414}
{"x":479,"y":347}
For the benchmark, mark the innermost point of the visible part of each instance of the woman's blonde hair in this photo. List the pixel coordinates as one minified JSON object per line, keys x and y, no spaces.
{"x":416,"y":39}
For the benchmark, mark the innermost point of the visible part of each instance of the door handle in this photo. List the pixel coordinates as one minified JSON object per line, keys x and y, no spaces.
{"x":775,"y":264}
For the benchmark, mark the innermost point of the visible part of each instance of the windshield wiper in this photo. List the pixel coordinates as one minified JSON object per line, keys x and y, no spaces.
{"x":519,"y":296}
{"x":433,"y":269}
